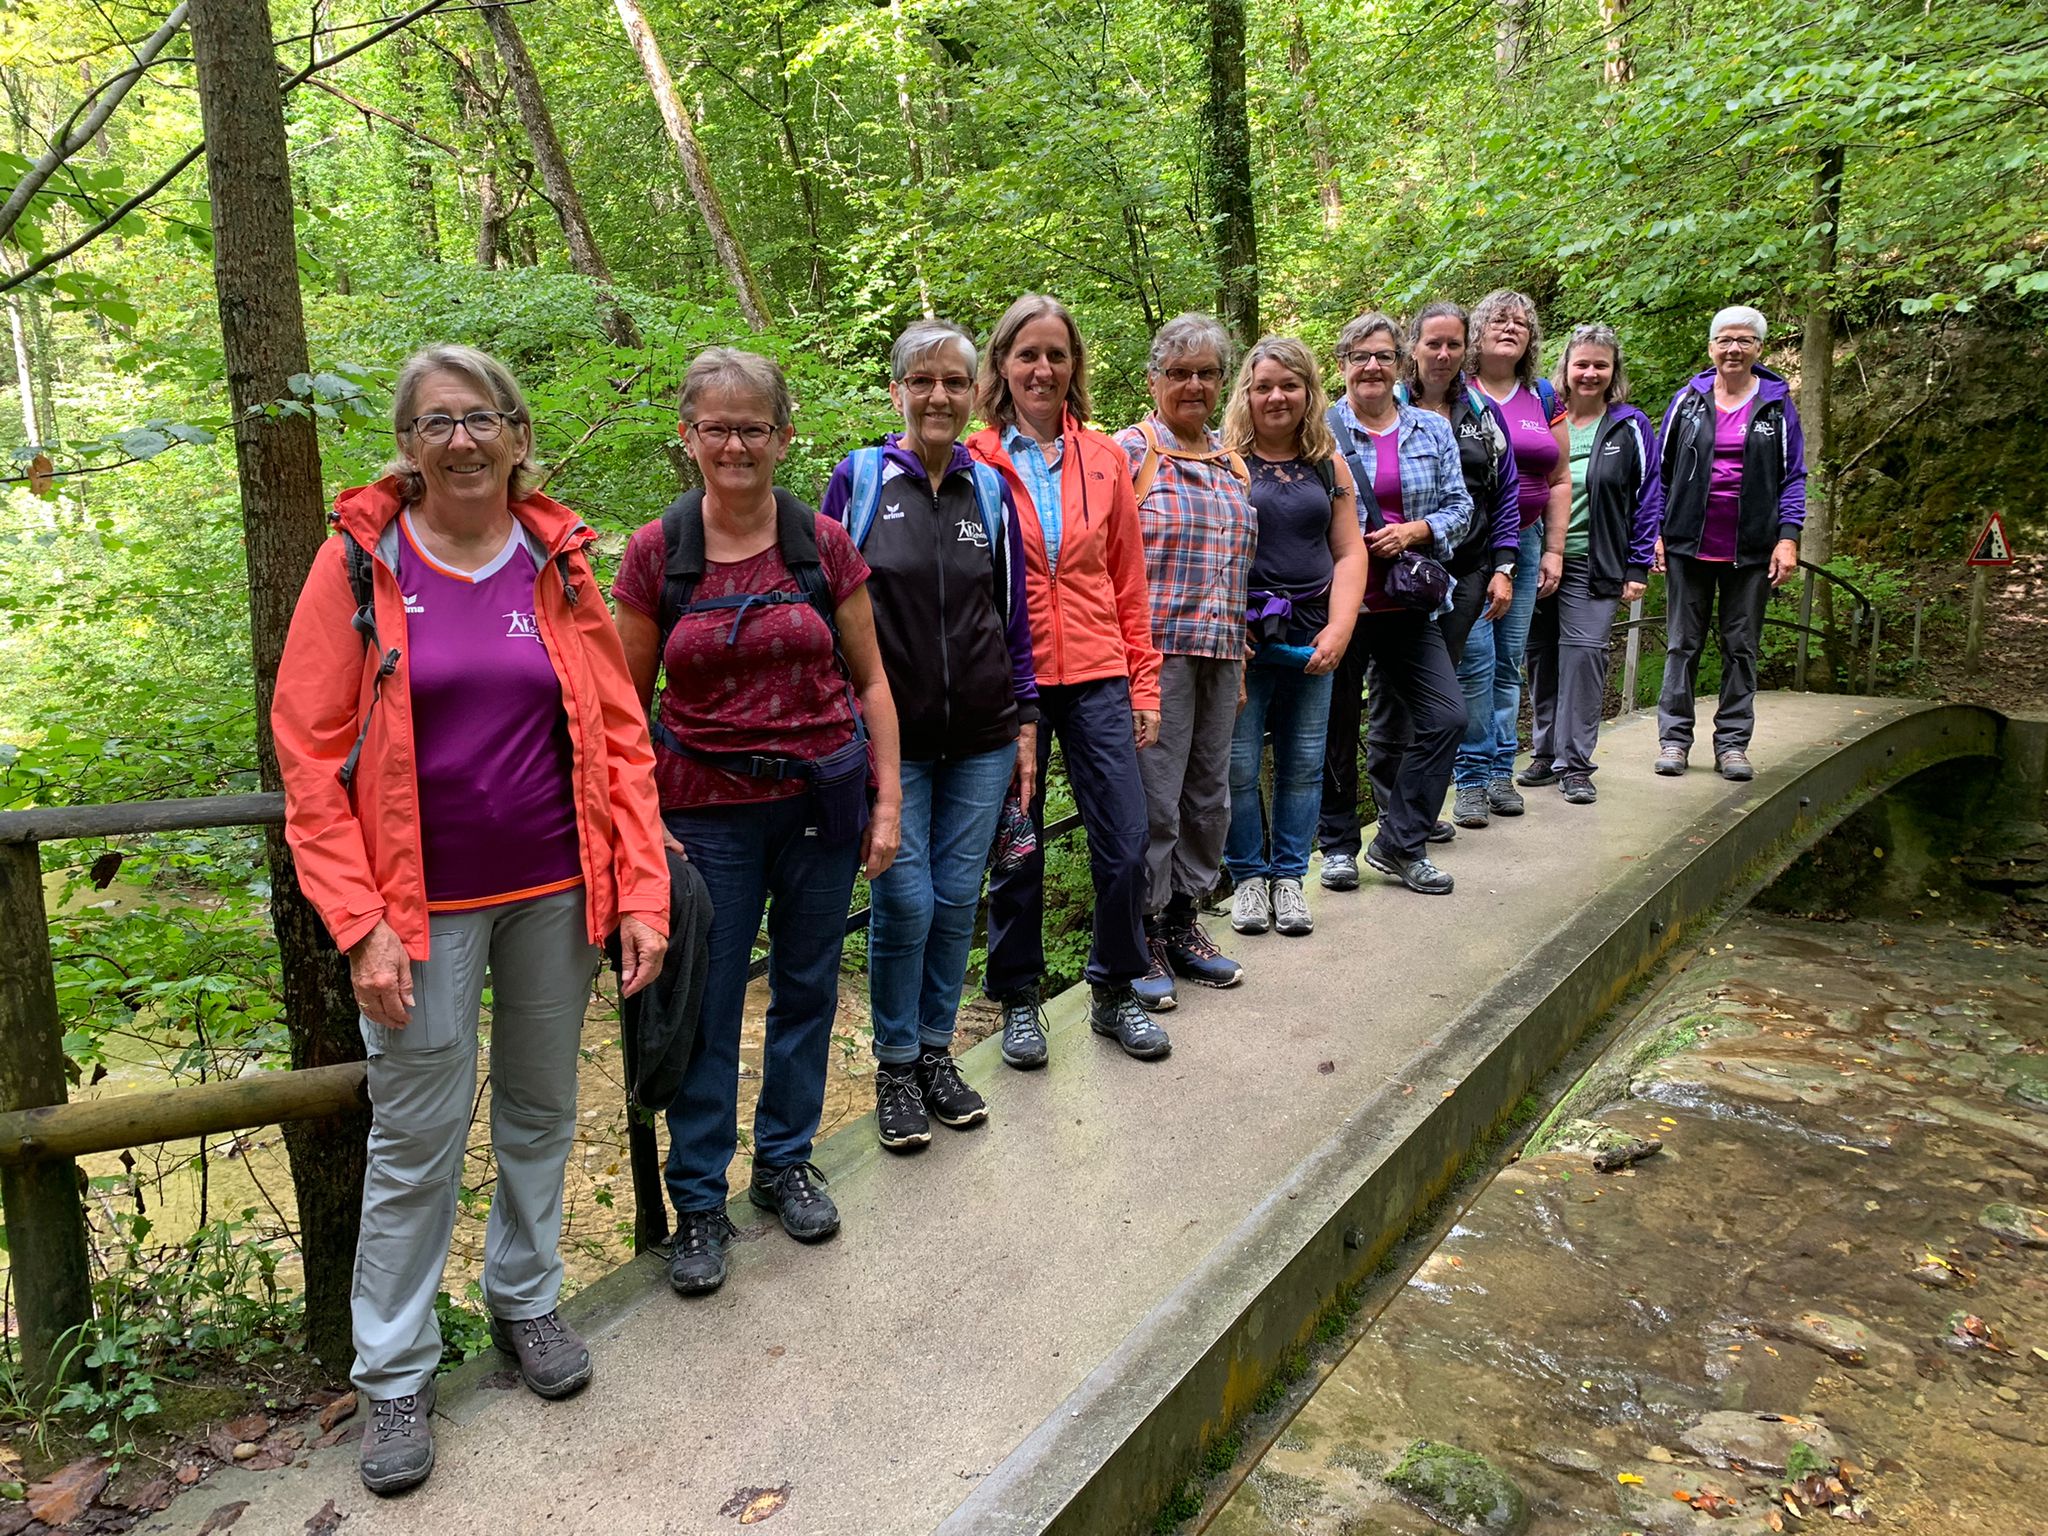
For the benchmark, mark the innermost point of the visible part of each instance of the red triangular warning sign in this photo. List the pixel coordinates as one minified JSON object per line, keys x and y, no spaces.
{"x":1993,"y":547}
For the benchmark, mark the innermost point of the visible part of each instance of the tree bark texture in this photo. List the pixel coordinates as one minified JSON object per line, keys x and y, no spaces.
{"x":277,"y":457}
{"x":1230,"y":173}
{"x":1329,"y":188}
{"x":492,"y":247}
{"x":584,"y":255}
{"x":1816,"y":393}
{"x":696,"y":170}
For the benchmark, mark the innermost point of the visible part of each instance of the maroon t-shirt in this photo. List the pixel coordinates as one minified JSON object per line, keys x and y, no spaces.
{"x":773,"y":687}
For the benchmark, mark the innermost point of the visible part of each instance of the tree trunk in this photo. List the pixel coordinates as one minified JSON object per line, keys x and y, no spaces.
{"x":1230,"y":173}
{"x":1816,"y":397}
{"x":1329,"y":190}
{"x":584,"y":255}
{"x":24,"y":375}
{"x":493,"y":249}
{"x":696,"y":171}
{"x":1511,"y":36}
{"x":1621,"y":61}
{"x":800,"y":167}
{"x":42,"y":354}
{"x":277,"y":457}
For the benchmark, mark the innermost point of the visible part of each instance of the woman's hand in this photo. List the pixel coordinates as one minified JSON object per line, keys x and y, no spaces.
{"x":1145,"y":727}
{"x":1784,"y":560}
{"x":1500,"y":593}
{"x":1657,"y":556}
{"x":1331,"y":642}
{"x":1632,"y":590}
{"x":1388,"y":541}
{"x":381,"y":973}
{"x":670,"y":842}
{"x":1550,"y":573}
{"x":641,"y":953}
{"x":884,"y":835}
{"x":1025,"y":779}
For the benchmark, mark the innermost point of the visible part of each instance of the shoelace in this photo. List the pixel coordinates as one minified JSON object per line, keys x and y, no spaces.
{"x":896,"y":1093}
{"x":794,"y":1183}
{"x":697,"y":1233}
{"x":544,"y":1333}
{"x":1021,"y":1019}
{"x":394,"y":1416}
{"x":945,"y":1076}
{"x":1195,"y":939}
{"x":1156,"y":948}
{"x":1287,"y":901}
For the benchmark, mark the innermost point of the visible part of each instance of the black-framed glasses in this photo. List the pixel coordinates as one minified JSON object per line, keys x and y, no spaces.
{"x":438,"y":426}
{"x":716,"y":434}
{"x":1384,"y":359}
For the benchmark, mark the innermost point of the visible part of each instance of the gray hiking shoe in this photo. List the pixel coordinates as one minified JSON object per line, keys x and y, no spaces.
{"x":1290,"y":909}
{"x":1504,"y":798}
{"x":1472,"y":809}
{"x":1251,"y":907}
{"x":1340,"y":872}
{"x":553,"y":1361}
{"x":398,"y":1442}
{"x":1579,"y":790}
{"x":1734,"y":765}
{"x":1418,"y":875}
{"x":1024,"y":1045}
{"x":1670,"y":760}
{"x":1114,"y":1011}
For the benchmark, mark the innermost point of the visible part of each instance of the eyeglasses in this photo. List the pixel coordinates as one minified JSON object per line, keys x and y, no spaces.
{"x":716,"y":434}
{"x":922,"y":384}
{"x":1739,"y":343}
{"x":1384,"y":359}
{"x":438,"y":427}
{"x":1180,"y":376}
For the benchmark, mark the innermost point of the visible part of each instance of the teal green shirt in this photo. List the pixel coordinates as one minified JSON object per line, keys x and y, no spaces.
{"x":1578,"y":536}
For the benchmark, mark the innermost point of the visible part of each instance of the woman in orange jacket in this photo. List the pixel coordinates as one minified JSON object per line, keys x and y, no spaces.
{"x":1098,"y":671}
{"x":469,"y":794}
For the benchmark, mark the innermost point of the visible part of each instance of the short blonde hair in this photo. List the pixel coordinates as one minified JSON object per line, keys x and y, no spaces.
{"x":488,"y":375}
{"x":1595,"y":335}
{"x":1312,"y":438}
{"x":992,"y":390}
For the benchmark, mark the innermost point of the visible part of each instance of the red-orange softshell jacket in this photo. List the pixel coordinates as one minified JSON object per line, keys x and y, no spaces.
{"x":358,"y":849}
{"x":1094,"y":620}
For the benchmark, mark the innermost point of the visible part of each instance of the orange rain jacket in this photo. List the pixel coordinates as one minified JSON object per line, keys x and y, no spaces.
{"x":1094,"y":619}
{"x":358,"y":850}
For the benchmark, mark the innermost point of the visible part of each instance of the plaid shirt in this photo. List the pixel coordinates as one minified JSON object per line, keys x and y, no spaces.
{"x":1200,"y":531}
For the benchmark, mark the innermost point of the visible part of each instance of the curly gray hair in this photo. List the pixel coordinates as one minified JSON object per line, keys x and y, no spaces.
{"x":1490,"y":309}
{"x":1185,"y":336}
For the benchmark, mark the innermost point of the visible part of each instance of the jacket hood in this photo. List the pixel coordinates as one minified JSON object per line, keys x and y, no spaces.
{"x":1770,"y":385}
{"x":365,"y":511}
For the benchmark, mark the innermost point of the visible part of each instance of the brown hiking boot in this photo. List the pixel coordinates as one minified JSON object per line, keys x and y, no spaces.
{"x":398,"y":1442}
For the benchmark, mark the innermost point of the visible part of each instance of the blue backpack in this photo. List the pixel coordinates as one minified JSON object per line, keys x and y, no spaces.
{"x":864,"y":497}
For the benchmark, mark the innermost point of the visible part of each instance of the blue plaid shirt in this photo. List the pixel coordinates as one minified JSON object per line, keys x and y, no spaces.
{"x":1432,"y":480}
{"x":1038,"y":465}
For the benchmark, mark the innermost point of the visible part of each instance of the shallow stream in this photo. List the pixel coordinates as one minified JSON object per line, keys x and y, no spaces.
{"x":1840,"y":1246}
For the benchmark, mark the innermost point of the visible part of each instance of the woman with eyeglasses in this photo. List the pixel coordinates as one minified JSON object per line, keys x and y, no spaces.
{"x":470,"y":801}
{"x":776,"y":757}
{"x":1098,"y":671}
{"x":1617,"y":503}
{"x":939,"y":534}
{"x":1734,"y":502}
{"x":1200,"y":529}
{"x":1507,"y":367}
{"x":1413,"y":506}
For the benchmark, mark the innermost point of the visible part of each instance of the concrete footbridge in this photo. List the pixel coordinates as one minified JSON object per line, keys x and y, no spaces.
{"x":1037,"y":1326}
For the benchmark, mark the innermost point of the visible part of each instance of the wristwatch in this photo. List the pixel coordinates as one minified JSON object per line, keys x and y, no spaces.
{"x":1507,"y":570}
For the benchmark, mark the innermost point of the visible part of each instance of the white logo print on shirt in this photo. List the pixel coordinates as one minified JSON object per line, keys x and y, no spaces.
{"x":413,"y":603}
{"x":522,"y":626}
{"x":892,"y":511}
{"x":970,"y":531}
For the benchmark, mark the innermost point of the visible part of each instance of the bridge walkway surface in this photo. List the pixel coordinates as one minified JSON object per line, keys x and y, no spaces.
{"x":1029,"y":1326}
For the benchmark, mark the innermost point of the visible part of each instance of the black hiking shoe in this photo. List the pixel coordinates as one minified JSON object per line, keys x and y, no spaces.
{"x":1540,"y":773}
{"x":398,"y":1443}
{"x":553,"y":1361}
{"x":1114,"y":1011}
{"x":1579,"y":790}
{"x":899,"y":1108}
{"x":796,"y":1195}
{"x":1023,"y":1030}
{"x":946,"y":1094}
{"x":696,"y":1264}
{"x":1417,"y":874}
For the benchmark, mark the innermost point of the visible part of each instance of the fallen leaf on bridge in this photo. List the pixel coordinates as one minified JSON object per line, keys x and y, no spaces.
{"x":325,"y":1522}
{"x":223,"y":1517}
{"x":1326,"y":1067}
{"x":750,"y":1506}
{"x":66,"y":1494}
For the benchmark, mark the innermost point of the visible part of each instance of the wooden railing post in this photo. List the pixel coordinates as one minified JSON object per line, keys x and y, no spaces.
{"x":1632,"y":657}
{"x":45,"y":1219}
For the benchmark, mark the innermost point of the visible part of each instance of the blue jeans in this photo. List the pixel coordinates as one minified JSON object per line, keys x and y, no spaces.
{"x":754,"y":857}
{"x":1296,"y":707}
{"x":923,"y":904}
{"x":1491,"y":673}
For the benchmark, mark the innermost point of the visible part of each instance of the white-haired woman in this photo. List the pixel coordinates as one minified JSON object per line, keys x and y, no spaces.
{"x":1617,"y":503}
{"x":1199,"y":530}
{"x":470,"y":800}
{"x":1734,"y":502}
{"x":946,"y":563}
{"x":1506,"y":364}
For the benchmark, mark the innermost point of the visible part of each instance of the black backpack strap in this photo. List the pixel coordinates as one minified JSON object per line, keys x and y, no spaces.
{"x":682,"y":544}
{"x":796,"y":530}
{"x":1326,"y":471}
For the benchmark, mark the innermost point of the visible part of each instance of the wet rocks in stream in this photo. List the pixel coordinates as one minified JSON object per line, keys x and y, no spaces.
{"x":1836,"y":1268}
